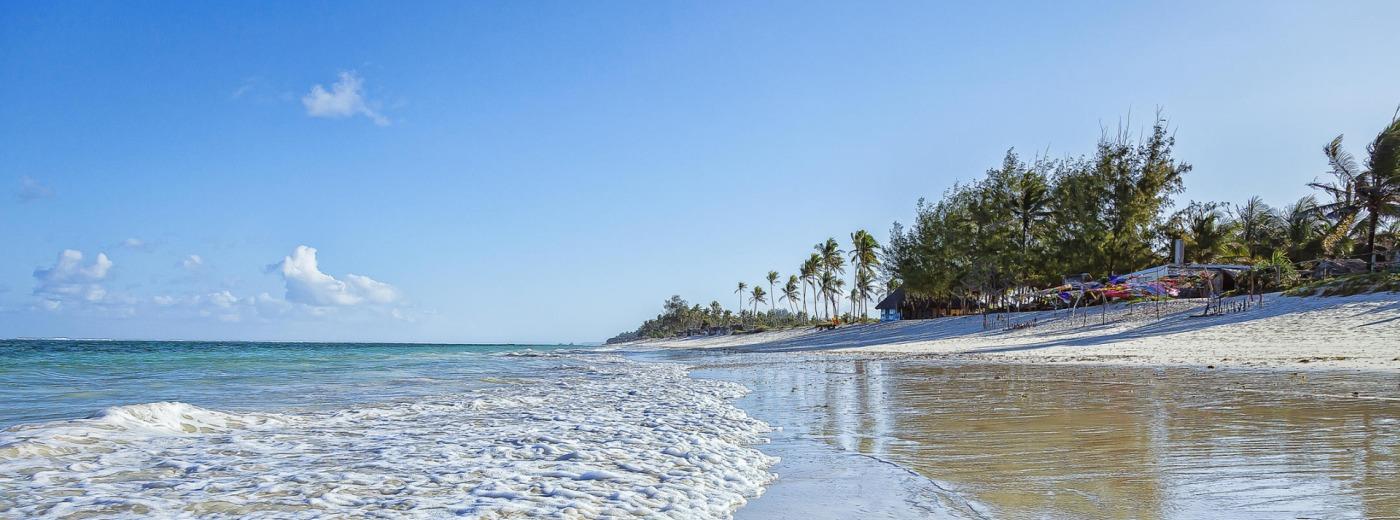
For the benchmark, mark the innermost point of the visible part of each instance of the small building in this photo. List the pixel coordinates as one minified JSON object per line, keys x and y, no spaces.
{"x":900,"y":306}
{"x":889,"y":307}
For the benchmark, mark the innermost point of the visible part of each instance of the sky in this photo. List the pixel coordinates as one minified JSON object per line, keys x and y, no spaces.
{"x":552,"y":171}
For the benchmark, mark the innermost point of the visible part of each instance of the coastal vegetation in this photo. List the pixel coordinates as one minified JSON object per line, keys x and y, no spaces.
{"x":1027,"y":224}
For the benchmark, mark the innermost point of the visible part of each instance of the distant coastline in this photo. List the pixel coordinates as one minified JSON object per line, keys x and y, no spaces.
{"x":1289,"y":333}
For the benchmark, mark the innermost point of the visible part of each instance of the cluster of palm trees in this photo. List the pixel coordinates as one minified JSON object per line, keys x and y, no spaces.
{"x":821,"y":275}
{"x":1026,"y":225}
{"x":1356,"y":219}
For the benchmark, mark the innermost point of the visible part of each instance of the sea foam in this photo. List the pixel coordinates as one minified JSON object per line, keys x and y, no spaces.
{"x":615,"y":439}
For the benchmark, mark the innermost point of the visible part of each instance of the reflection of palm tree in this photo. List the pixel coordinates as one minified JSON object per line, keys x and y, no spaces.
{"x":772,"y":280}
{"x":758,"y":297}
{"x":1371,"y":194}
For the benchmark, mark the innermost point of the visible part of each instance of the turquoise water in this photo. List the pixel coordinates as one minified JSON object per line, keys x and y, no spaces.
{"x":51,"y":380}
{"x":114,"y":429}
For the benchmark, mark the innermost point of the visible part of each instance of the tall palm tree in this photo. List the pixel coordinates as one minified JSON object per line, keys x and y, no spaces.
{"x":811,"y":268}
{"x":772,"y":280}
{"x":740,"y":292}
{"x":833,"y":264}
{"x":864,"y":256}
{"x":831,"y":256}
{"x":1371,"y":194}
{"x":825,"y":282}
{"x":838,"y":285}
{"x":804,"y":273}
{"x":790,"y":292}
{"x":864,"y":288}
{"x":758,"y":297}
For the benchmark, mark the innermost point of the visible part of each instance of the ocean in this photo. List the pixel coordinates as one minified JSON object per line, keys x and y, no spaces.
{"x":303,"y":430}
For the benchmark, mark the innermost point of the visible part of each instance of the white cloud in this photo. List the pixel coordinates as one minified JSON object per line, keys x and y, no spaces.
{"x":306,"y":283}
{"x":136,"y":244}
{"x":345,"y":98}
{"x":69,"y":281}
{"x":372,"y":290}
{"x":30,"y":189}
{"x":223,"y":299}
{"x":192,"y":262}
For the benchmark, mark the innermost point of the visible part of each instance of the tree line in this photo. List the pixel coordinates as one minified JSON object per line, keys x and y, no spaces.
{"x":1027,"y":224}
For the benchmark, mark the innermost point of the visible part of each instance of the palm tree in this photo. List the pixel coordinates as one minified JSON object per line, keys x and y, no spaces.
{"x":832,"y":264}
{"x":807,"y":274}
{"x":1206,"y":230}
{"x":1258,"y":225}
{"x":831,"y":256}
{"x":740,"y":292}
{"x":772,"y":280}
{"x":864,"y":255}
{"x":1302,"y":229}
{"x":758,"y":297}
{"x":825,"y":282}
{"x":838,"y":286}
{"x":864,"y":288}
{"x":810,"y":270}
{"x":790,"y":292}
{"x":1369,"y":194}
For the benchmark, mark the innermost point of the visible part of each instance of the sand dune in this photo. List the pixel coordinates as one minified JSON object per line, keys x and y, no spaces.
{"x":1360,"y":332}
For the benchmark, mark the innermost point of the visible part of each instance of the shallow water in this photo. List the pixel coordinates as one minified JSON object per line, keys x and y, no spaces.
{"x":48,"y":380}
{"x":135,"y":430}
{"x":1093,"y":442}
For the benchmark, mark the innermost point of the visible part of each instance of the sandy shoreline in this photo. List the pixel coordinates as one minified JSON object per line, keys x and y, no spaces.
{"x":1352,"y":332}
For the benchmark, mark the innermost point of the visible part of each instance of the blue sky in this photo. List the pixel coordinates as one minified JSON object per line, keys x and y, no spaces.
{"x":521,"y":171}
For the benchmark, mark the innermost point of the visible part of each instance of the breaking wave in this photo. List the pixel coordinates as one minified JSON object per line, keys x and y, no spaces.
{"x":617,"y":439}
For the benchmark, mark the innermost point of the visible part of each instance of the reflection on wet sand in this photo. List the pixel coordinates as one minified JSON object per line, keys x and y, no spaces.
{"x":1087,"y":442}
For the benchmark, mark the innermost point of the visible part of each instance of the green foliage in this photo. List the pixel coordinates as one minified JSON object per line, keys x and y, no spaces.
{"x":1348,"y":285}
{"x":1362,"y":198}
{"x":1028,"y":224}
{"x":679,"y":318}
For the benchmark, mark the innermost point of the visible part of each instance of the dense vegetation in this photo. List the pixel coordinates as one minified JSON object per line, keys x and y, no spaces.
{"x":1027,"y":224}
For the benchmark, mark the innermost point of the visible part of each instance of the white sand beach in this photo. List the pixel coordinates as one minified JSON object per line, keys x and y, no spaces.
{"x":1351,"y":332}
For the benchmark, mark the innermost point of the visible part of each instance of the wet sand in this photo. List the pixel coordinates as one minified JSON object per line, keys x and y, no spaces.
{"x":1056,"y":441}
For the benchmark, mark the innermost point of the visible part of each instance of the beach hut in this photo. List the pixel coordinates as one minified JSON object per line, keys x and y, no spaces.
{"x":900,"y":306}
{"x":889,"y":307}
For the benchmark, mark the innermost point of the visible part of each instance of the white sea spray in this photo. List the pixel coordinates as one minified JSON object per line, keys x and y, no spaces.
{"x":615,"y":439}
